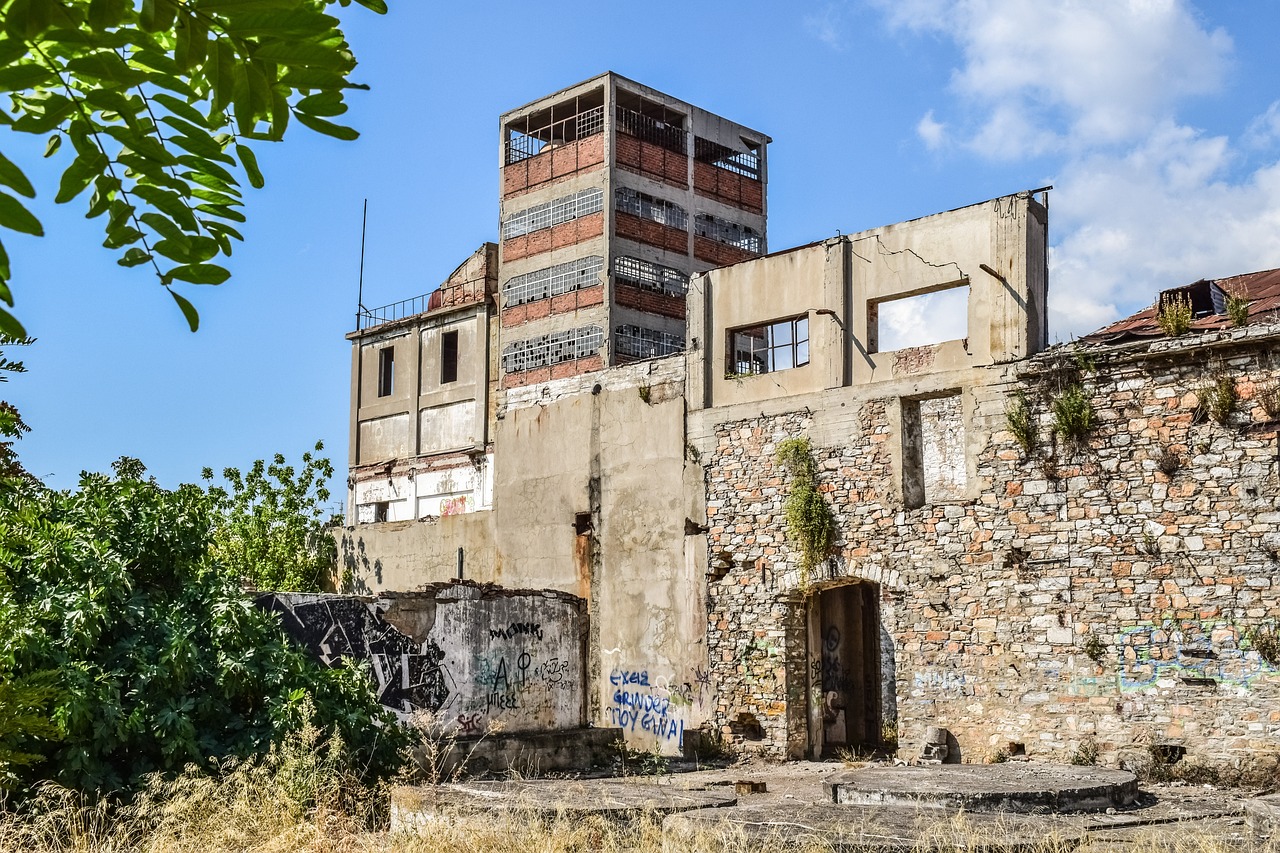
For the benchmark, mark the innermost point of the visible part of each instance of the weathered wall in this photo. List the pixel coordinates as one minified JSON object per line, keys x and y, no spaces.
{"x":475,"y":657}
{"x":992,"y":602}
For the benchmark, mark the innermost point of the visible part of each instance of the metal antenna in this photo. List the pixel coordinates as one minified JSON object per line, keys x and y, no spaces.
{"x":364,"y":225}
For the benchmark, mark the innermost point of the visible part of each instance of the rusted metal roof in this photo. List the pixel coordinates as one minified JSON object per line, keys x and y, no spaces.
{"x":1207,"y":297}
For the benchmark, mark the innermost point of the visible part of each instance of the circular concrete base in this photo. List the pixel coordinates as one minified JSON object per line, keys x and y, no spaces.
{"x":1013,"y":787}
{"x":864,"y":829}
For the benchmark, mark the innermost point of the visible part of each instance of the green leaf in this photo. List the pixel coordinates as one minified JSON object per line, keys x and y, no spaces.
{"x":106,"y":66}
{"x":181,"y":109}
{"x":199,"y":274}
{"x":250,"y":162}
{"x":221,"y":72}
{"x":211,"y":182}
{"x":10,"y":326}
{"x":11,"y":176}
{"x":106,"y":13}
{"x":378,"y":6}
{"x":51,"y":147}
{"x":17,"y":218}
{"x":25,"y":19}
{"x":193,"y":250}
{"x":122,"y":237}
{"x":164,"y":227}
{"x":169,"y":203}
{"x":305,"y":54}
{"x":188,"y":310}
{"x":4,"y":269}
{"x":16,"y":78}
{"x":202,"y":146}
{"x":322,"y":104}
{"x":193,"y":41}
{"x":134,"y":257}
{"x":319,"y":125}
{"x":220,"y":210}
{"x":284,"y":23}
{"x":221,"y":228}
{"x":157,"y":15}
{"x":208,"y":167}
{"x":52,"y":113}
{"x":78,"y":175}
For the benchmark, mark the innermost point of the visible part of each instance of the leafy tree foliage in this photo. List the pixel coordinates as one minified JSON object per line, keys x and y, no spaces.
{"x":271,"y":525}
{"x":160,"y":101}
{"x":160,"y":660}
{"x":12,"y":427}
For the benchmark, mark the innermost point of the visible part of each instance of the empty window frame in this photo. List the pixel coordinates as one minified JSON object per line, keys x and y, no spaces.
{"x":553,"y":212}
{"x":650,"y":276}
{"x":449,"y":357}
{"x":920,"y":320}
{"x":651,"y":122}
{"x":627,"y":200}
{"x":560,"y":124}
{"x":934,"y":463}
{"x":639,"y":342}
{"x":724,"y":231}
{"x":552,"y":281}
{"x":745,"y":163}
{"x":386,"y":371}
{"x":780,"y":345}
{"x":552,"y":349}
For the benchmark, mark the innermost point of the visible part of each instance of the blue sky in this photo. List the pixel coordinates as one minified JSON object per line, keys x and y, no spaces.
{"x":1158,"y":122}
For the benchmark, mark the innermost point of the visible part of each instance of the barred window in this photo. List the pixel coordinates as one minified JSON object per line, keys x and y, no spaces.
{"x":724,"y":231}
{"x":639,"y":342}
{"x":552,"y":281}
{"x":553,"y":212}
{"x":525,"y":140}
{"x":745,"y":163}
{"x":552,"y":349}
{"x":650,"y":276}
{"x":667,"y":132}
{"x":627,"y":200}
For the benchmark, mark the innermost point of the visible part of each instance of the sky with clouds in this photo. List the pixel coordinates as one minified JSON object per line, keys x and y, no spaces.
{"x":1156,"y":121}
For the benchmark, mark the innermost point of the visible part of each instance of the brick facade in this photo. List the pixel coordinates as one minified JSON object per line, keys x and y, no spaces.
{"x":555,"y":237}
{"x":562,"y":303}
{"x":649,"y":301}
{"x":1075,"y":595}
{"x":728,"y":187}
{"x":551,"y":166}
{"x":654,"y":161}
{"x":651,"y":233}
{"x":721,"y":254}
{"x":563,"y":370}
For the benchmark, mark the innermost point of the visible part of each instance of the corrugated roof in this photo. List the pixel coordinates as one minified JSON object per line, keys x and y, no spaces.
{"x":1262,"y":289}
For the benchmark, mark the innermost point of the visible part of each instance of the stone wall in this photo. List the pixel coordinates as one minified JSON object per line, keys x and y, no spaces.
{"x":1112,"y":592}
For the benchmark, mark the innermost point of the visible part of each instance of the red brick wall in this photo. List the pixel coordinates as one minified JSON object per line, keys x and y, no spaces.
{"x":728,"y":187}
{"x":555,"y":237}
{"x":649,"y":301}
{"x":647,"y":231}
{"x":550,"y":166}
{"x":559,"y":304}
{"x":645,"y":158}
{"x":714,"y":252}
{"x":556,"y":371}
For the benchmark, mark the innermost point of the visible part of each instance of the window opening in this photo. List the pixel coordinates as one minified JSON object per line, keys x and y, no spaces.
{"x":386,"y":371}
{"x":724,"y":231}
{"x":553,"y":281}
{"x":745,"y":163}
{"x":553,"y":212}
{"x":552,"y":349}
{"x":448,"y":357}
{"x":639,"y":342}
{"x":558,"y":125}
{"x":581,"y":523}
{"x":380,"y":511}
{"x":661,"y":127}
{"x":934,"y":464}
{"x":766,"y":348}
{"x":627,"y":200}
{"x":650,"y":276}
{"x":920,"y":320}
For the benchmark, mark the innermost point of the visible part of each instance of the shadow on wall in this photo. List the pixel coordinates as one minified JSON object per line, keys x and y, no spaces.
{"x":356,"y":566}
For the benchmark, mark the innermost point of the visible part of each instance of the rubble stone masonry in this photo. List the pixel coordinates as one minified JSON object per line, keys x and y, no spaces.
{"x":1119,"y":592}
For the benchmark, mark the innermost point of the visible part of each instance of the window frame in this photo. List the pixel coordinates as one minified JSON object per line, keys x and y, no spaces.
{"x":796,"y":345}
{"x":386,"y":371}
{"x":449,"y":357}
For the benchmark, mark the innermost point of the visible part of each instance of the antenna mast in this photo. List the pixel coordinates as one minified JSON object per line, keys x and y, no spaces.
{"x":364,"y":225}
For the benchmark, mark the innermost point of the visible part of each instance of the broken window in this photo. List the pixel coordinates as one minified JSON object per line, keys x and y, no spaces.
{"x":724,"y":231}
{"x":552,"y":349}
{"x":934,"y":469}
{"x":639,"y":342}
{"x":919,"y":320}
{"x":745,"y":163}
{"x":554,"y":212}
{"x":380,"y":511}
{"x":774,"y":346}
{"x":552,"y":281}
{"x":386,"y":371}
{"x":448,"y":357}
{"x":559,"y":124}
{"x":650,"y":276}
{"x":627,"y":200}
{"x":651,"y":122}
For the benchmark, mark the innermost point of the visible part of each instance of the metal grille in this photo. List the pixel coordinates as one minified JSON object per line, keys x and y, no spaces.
{"x":627,"y":200}
{"x":745,"y":163}
{"x":668,"y":135}
{"x":552,"y":281}
{"x":523,"y":144}
{"x":553,"y":212}
{"x":369,"y":317}
{"x":639,"y":342}
{"x":552,"y":349}
{"x":650,"y":276}
{"x":724,"y":231}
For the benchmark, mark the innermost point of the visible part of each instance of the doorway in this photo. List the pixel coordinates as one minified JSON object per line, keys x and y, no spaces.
{"x":844,"y":651}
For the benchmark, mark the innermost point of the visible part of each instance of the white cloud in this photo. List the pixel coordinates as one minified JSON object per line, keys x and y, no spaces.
{"x":826,"y":24}
{"x":932,"y":132}
{"x":1264,"y":131}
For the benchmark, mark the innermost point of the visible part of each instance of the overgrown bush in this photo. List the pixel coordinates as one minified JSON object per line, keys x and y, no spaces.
{"x":1021,"y":422}
{"x":1238,"y":309}
{"x":159,"y":660}
{"x":1073,"y":415}
{"x":1219,"y":398}
{"x":810,"y":524}
{"x":1174,"y":315}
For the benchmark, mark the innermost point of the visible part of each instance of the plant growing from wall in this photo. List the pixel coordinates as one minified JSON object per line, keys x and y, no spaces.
{"x":1021,"y":422}
{"x":1073,"y":414}
{"x":1219,"y":398}
{"x":1269,"y":398}
{"x":1238,"y":309}
{"x":810,"y":523}
{"x":1094,"y":647}
{"x":1174,"y":315}
{"x":1266,"y":642}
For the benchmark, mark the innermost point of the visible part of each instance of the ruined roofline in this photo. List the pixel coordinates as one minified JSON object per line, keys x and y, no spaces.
{"x":488,"y":250}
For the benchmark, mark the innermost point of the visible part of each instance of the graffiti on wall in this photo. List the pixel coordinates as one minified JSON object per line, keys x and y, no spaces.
{"x":1201,"y":651}
{"x":639,"y":703}
{"x":409,"y":676}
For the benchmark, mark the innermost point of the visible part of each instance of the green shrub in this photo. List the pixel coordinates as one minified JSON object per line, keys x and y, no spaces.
{"x":1021,"y":422}
{"x":1073,"y":414}
{"x":1238,"y":309}
{"x":1219,"y":398}
{"x":810,"y":523}
{"x":1174,"y":315}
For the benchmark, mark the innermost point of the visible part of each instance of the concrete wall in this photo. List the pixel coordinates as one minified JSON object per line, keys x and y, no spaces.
{"x":476,"y":658}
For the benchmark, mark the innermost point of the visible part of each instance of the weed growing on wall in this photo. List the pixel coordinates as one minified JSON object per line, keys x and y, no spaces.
{"x":1238,"y":309}
{"x":1094,"y":647}
{"x":1174,"y":315}
{"x":810,"y":523}
{"x":1266,"y":642}
{"x":1219,"y":398}
{"x":1073,"y":414}
{"x":1086,"y":754}
{"x":1021,"y":422}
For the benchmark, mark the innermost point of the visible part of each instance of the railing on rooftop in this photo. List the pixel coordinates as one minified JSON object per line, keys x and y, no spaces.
{"x":367,"y":318}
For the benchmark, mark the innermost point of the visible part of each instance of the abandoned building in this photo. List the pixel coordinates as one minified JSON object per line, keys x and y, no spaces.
{"x":1044,"y":549}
